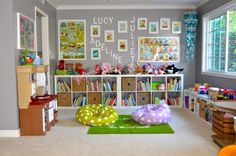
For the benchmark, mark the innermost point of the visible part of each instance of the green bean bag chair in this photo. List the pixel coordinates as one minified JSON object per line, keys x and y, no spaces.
{"x":96,"y":115}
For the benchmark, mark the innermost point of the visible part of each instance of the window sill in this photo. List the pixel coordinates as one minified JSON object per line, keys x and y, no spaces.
{"x":223,"y":74}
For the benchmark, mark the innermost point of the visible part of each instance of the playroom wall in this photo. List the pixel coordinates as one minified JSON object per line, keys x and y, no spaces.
{"x":8,"y":95}
{"x":127,"y":15}
{"x":212,"y":80}
{"x":9,"y":117}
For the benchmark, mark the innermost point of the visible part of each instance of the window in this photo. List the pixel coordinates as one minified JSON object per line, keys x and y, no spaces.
{"x":219,"y":41}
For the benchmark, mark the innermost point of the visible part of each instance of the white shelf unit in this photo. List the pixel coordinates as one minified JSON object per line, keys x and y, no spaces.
{"x":122,"y":90}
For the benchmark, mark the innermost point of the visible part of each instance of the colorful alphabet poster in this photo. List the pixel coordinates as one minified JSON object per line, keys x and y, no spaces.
{"x":72,"y":39}
{"x":158,"y":49}
{"x":25,"y":32}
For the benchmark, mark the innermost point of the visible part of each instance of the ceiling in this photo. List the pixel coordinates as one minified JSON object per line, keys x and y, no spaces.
{"x":63,"y":4}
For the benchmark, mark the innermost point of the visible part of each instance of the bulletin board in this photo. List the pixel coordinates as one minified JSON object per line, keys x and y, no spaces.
{"x":158,"y":49}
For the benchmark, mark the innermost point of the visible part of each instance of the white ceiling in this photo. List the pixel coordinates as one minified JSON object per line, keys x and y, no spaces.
{"x":63,"y":4}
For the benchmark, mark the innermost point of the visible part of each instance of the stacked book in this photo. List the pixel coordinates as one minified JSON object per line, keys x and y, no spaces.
{"x":173,"y":84}
{"x":109,"y":101}
{"x":79,"y":101}
{"x":129,"y":100}
{"x":63,"y":86}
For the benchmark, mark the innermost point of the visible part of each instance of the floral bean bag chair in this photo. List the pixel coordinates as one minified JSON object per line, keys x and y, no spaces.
{"x":96,"y":115}
{"x":152,"y":114}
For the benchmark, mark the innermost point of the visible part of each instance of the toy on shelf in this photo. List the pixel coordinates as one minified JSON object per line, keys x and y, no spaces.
{"x":129,"y":69}
{"x":98,"y":69}
{"x":202,"y":90}
{"x":106,"y":68}
{"x":37,"y":61}
{"x":213,"y":93}
{"x":61,"y":68}
{"x":80,"y":69}
{"x":27,"y":57}
{"x":220,"y":94}
{"x":171,"y":69}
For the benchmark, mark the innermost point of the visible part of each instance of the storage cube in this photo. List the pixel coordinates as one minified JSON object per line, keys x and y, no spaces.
{"x":64,"y":99}
{"x":128,"y":84}
{"x":143,"y":98}
{"x":95,"y":98}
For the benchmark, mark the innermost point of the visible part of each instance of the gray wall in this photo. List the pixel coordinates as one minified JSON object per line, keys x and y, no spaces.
{"x":212,"y":80}
{"x":9,"y":117}
{"x":127,"y":15}
{"x":8,"y":95}
{"x":27,"y":7}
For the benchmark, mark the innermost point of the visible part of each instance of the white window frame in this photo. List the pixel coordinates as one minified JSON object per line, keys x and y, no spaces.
{"x":205,"y":36}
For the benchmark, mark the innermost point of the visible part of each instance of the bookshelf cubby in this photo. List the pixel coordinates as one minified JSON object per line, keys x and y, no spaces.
{"x":119,"y":90}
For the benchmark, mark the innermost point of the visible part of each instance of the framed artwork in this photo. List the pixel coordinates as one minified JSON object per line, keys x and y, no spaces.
{"x":176,"y":27}
{"x":25,"y":32}
{"x":153,"y":27}
{"x":95,"y":31}
{"x":158,"y":49}
{"x":95,"y":53}
{"x":122,"y":45}
{"x":122,"y":27}
{"x":109,"y":35}
{"x":142,"y":23}
{"x":165,"y":23}
{"x":72,"y":39}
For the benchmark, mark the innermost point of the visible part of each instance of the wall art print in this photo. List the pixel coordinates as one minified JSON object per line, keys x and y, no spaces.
{"x":153,"y":27}
{"x":95,"y":53}
{"x":122,"y":26}
{"x":122,"y":45}
{"x":95,"y":31}
{"x":176,"y":27}
{"x":72,"y":39}
{"x":109,"y":35}
{"x":158,"y":49}
{"x":25,"y":32}
{"x":165,"y":24}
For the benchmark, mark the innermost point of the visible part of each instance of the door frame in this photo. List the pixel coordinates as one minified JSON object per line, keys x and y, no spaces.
{"x":45,"y":42}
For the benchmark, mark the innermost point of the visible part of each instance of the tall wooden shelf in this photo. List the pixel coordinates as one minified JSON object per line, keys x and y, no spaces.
{"x":123,"y":87}
{"x":36,"y":115}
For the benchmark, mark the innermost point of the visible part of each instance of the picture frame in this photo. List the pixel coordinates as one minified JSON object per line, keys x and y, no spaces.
{"x":165,"y":24}
{"x":142,"y":23}
{"x":122,"y":45}
{"x":25,"y":32}
{"x":122,"y":26}
{"x":109,"y":35}
{"x":153,"y":27}
{"x":95,"y":31}
{"x":158,"y":49}
{"x":95,"y":53}
{"x":72,"y":39}
{"x":176,"y":27}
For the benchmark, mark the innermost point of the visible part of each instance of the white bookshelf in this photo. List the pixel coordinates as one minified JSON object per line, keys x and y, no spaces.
{"x":120,"y":92}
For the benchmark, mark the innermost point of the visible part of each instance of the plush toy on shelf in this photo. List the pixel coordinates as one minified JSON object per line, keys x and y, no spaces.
{"x":79,"y":68}
{"x":106,"y":68}
{"x":171,"y":69}
{"x":98,"y":69}
{"x":27,"y":57}
{"x":61,"y":68}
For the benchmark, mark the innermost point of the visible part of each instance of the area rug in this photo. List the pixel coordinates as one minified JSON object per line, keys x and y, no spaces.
{"x":125,"y":125}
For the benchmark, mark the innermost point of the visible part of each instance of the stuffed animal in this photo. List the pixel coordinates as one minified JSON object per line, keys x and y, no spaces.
{"x":119,"y":68}
{"x":79,"y":68}
{"x":171,"y":69}
{"x":61,"y":65}
{"x":98,"y":69}
{"x":106,"y":68}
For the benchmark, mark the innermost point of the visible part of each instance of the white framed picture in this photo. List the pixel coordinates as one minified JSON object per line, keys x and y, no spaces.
{"x":165,"y":23}
{"x":122,"y":26}
{"x":122,"y":45}
{"x":142,"y":23}
{"x":109,"y":35}
{"x":95,"y":53}
{"x":95,"y":31}
{"x":176,"y":27}
{"x":153,"y":27}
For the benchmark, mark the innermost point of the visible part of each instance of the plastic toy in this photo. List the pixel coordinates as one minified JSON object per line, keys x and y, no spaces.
{"x":37,"y":61}
{"x":27,"y":57}
{"x":202,"y":90}
{"x":220,"y":95}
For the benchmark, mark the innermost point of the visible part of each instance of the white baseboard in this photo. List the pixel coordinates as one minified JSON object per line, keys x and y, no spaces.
{"x":10,"y":133}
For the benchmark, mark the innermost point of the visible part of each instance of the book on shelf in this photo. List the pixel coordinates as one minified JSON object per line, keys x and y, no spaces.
{"x":173,"y":84}
{"x":94,"y":85}
{"x":143,"y":85}
{"x":63,"y":86}
{"x":173,"y":101}
{"x":109,"y":86}
{"x":109,"y":101}
{"x":129,"y":100}
{"x":79,"y":101}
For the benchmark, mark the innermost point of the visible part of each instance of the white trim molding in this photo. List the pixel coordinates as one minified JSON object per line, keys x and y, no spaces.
{"x":10,"y":133}
{"x":98,"y":7}
{"x":202,"y":3}
{"x":52,"y":3}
